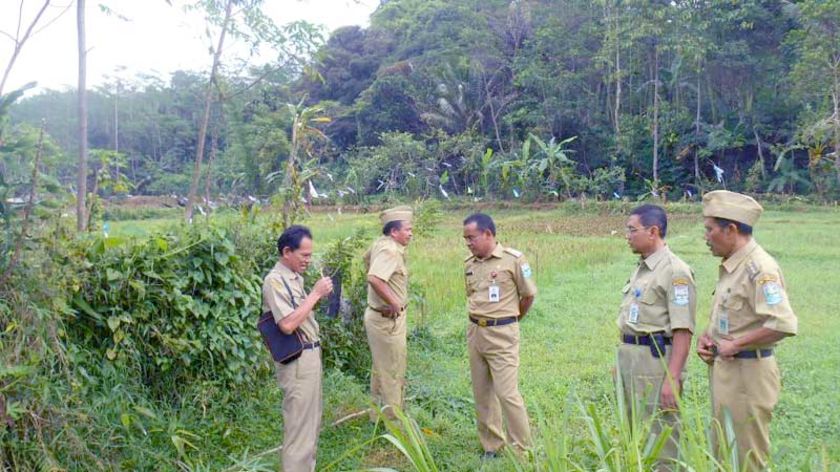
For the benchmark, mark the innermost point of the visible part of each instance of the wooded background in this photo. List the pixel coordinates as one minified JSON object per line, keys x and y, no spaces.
{"x":489,"y":98}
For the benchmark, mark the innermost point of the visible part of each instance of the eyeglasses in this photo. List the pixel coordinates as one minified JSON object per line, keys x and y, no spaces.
{"x":633,"y":229}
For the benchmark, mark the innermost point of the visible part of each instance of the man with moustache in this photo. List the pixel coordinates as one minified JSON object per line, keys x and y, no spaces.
{"x":500,"y":290}
{"x":751,"y":313}
{"x":656,"y":321}
{"x":385,"y":316}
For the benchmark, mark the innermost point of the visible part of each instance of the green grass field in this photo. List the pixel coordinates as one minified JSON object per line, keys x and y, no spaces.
{"x":581,"y":262}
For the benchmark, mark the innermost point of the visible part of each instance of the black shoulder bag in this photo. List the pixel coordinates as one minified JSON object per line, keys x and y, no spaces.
{"x":284,"y":348}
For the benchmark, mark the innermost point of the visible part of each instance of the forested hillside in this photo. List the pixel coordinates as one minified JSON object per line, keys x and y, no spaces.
{"x":509,"y":99}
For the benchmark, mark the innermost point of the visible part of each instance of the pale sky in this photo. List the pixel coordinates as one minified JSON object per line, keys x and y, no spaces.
{"x":157,"y":38}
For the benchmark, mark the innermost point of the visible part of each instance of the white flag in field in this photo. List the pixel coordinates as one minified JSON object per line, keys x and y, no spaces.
{"x":312,"y":192}
{"x":445,"y":194}
{"x":718,"y":173}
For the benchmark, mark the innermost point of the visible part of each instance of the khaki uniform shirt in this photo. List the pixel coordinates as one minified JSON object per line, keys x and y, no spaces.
{"x":508,"y":270}
{"x":276,"y":298}
{"x":750,"y":294}
{"x":386,"y":261}
{"x":660,"y":296}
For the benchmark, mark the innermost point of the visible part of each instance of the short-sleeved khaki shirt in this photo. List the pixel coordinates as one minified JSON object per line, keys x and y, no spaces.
{"x":276,"y":298}
{"x":506,"y":269}
{"x":660,"y":296}
{"x":386,"y":261}
{"x":750,"y":294}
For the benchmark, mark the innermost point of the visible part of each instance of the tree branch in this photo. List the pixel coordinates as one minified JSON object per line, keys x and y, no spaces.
{"x":47,"y":24}
{"x":19,"y":43}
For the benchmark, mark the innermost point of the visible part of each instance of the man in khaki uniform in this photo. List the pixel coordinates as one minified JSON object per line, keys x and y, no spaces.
{"x":750,"y":314}
{"x":385,"y":316}
{"x":300,"y":379}
{"x":656,"y":320}
{"x":500,"y":290}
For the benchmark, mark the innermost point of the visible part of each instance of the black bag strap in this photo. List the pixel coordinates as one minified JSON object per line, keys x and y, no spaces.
{"x":294,"y":304}
{"x":289,"y":289}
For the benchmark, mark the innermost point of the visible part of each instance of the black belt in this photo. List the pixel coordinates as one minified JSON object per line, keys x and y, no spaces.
{"x":383,"y":312}
{"x":645,"y":340}
{"x":754,"y":354}
{"x":483,"y":322}
{"x":312,"y":345}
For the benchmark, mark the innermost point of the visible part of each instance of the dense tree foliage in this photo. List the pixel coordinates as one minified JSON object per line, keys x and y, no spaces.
{"x":451,"y":98}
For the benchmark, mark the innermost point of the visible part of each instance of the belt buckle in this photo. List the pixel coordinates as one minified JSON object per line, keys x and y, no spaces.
{"x":482,"y":323}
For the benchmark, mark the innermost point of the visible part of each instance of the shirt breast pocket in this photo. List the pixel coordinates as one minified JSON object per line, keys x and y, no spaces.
{"x":471,"y":281}
{"x":734,"y":308}
{"x":505,"y":281}
{"x":649,"y":296}
{"x":647,"y":302}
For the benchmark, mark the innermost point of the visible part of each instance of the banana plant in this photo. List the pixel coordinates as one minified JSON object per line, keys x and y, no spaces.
{"x":305,"y":135}
{"x":552,"y":163}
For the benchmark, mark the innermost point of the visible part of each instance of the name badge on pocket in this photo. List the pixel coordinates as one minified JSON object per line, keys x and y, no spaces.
{"x":634,"y":313}
{"x":493,"y":294}
{"x":723,"y":323}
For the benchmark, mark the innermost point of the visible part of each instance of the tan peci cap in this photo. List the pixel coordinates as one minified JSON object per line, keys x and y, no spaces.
{"x":731,"y":206}
{"x":400,"y":213}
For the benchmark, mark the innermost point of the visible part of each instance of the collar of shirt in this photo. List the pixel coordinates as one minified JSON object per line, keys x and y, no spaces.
{"x":733,"y":261}
{"x":284,"y":271}
{"x":653,"y":260}
{"x":498,"y":251}
{"x":389,"y":240}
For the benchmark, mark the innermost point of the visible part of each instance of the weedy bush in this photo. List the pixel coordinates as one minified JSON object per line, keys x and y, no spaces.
{"x":427,"y":216}
{"x":343,"y":337}
{"x":180,"y":305}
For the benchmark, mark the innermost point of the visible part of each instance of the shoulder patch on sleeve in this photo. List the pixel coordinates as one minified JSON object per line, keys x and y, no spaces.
{"x":526,"y":270}
{"x":681,"y":281}
{"x":513,"y":252}
{"x":681,"y":294}
{"x":767,"y":278}
{"x":772,"y":290}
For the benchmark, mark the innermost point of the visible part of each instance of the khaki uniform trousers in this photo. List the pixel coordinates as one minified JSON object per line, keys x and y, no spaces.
{"x":749,"y":388}
{"x":302,"y":410}
{"x":642,"y":376}
{"x":387,"y":340}
{"x":494,"y":367}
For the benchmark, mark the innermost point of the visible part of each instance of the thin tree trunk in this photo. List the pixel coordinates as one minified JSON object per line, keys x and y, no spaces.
{"x":214,"y":143}
{"x":656,"y":118}
{"x":760,"y":152}
{"x":617,"y":117}
{"x":290,"y":182}
{"x":81,"y":191}
{"x":20,"y":41}
{"x":493,"y":116}
{"x":117,"y":120}
{"x":208,"y":100}
{"x":697,"y":134}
